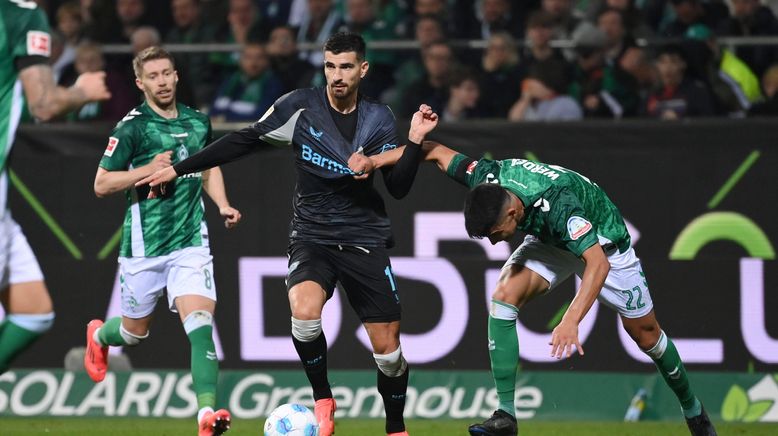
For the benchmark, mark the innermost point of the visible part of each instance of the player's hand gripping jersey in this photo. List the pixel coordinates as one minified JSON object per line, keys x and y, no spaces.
{"x":159,"y":226}
{"x":562,"y":208}
{"x":330,"y":207}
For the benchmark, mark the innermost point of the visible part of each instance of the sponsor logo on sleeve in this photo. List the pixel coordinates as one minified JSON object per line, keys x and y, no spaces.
{"x":112,"y":143}
{"x":577,"y":227}
{"x":471,"y":167}
{"x":38,"y":43}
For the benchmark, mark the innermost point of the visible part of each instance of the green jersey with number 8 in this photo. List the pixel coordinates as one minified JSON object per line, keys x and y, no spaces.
{"x":561,"y":207}
{"x":159,"y":226}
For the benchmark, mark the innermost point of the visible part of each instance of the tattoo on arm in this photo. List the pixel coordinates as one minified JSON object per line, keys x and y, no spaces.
{"x":45,"y":99}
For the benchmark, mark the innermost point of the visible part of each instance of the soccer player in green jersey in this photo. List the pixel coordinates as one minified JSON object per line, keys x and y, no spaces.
{"x":25,"y":46}
{"x":571,"y":227}
{"x":164,"y":239}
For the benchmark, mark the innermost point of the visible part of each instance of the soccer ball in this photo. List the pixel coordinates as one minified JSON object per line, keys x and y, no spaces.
{"x":291,"y":420}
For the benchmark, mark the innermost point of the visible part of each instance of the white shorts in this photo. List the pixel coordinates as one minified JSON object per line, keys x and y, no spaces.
{"x":625,"y":289}
{"x":188,"y":271}
{"x":17,"y":261}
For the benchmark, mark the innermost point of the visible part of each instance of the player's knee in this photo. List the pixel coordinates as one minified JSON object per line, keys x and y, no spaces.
{"x":197,"y":319}
{"x":306,"y":330}
{"x":502,"y":310}
{"x":34,"y":322}
{"x":655,"y":348}
{"x":131,"y":339}
{"x":392,"y":364}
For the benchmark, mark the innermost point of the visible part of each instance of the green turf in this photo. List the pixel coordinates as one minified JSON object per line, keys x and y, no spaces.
{"x":355,"y":427}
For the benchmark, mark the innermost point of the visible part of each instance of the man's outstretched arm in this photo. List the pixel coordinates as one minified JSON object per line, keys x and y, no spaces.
{"x":47,"y":100}
{"x":565,"y":335}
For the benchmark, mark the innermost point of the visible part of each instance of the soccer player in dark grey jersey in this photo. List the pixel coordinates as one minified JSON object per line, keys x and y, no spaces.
{"x":25,"y":47}
{"x":340,"y":230}
{"x":572,"y":227}
{"x":164,"y":240}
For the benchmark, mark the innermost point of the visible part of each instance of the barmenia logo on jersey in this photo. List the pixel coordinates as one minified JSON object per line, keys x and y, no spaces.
{"x":577,"y":227}
{"x":112,"y":143}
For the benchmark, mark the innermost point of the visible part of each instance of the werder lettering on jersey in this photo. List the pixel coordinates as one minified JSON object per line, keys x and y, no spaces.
{"x":535,"y":168}
{"x":577,"y":227}
{"x":325,"y":162}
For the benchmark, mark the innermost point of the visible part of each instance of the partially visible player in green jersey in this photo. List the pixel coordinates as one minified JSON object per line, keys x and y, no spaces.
{"x":571,"y":227}
{"x":164,"y":239}
{"x":25,"y":46}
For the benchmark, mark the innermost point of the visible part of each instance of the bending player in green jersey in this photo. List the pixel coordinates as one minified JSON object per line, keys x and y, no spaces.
{"x":25,"y":73}
{"x":164,"y":240}
{"x":571,"y":227}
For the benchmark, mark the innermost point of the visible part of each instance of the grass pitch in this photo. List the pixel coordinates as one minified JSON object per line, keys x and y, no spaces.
{"x":355,"y":427}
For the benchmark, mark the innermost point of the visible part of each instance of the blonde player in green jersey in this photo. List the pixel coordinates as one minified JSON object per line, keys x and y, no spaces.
{"x":571,"y":227}
{"x":164,"y":239}
{"x":25,"y":47}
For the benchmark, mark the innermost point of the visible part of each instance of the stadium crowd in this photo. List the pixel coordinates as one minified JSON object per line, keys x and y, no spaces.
{"x":521,"y":73}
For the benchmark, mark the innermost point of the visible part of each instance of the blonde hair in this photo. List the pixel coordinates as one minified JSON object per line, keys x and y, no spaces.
{"x":150,"y":54}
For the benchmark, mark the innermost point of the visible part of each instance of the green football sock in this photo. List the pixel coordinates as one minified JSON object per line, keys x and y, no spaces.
{"x":669,"y":364}
{"x":504,"y":353}
{"x":110,"y":334}
{"x":205,"y":365}
{"x":13,"y":340}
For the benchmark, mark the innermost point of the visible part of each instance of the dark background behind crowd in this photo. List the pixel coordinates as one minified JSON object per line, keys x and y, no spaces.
{"x":540,"y":59}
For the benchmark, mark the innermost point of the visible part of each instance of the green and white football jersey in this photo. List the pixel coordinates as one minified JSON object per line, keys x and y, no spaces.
{"x":158,"y":226}
{"x":561,"y":207}
{"x":24,"y":31}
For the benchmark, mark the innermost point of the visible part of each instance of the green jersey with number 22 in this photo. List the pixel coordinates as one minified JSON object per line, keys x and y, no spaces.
{"x":561,"y":207}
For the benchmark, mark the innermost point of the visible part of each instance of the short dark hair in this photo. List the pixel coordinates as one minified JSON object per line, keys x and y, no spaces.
{"x":483,"y":208}
{"x":150,"y":54}
{"x":344,"y":42}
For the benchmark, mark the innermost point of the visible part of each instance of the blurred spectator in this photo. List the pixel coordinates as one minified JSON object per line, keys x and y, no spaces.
{"x":248,"y":93}
{"x":70,"y":24}
{"x":427,"y":8}
{"x":565,"y":21}
{"x":429,"y":29}
{"x":131,"y":16}
{"x":361,"y":18}
{"x":189,"y":28}
{"x":432,"y":87}
{"x":320,"y":20}
{"x":491,"y":16}
{"x":100,"y":22}
{"x":543,"y":95}
{"x":690,"y":12}
{"x":540,"y":30}
{"x":144,"y":37}
{"x":89,"y":58}
{"x":463,"y":96}
{"x":678,"y":95}
{"x":621,"y":53}
{"x":750,"y":18}
{"x":284,"y":60}
{"x":242,"y":26}
{"x":500,"y":80}
{"x":601,"y":92}
{"x":62,"y":57}
{"x":634,"y":23}
{"x":273,"y":13}
{"x":734,"y":85}
{"x":770,"y":87}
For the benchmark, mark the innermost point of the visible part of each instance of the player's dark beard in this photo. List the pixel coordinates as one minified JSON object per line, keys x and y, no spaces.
{"x":346,"y":93}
